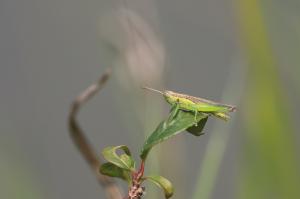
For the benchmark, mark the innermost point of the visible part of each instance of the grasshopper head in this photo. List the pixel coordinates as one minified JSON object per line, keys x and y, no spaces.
{"x":170,"y":97}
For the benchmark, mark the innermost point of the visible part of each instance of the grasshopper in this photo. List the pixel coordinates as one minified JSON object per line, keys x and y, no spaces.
{"x":196,"y":104}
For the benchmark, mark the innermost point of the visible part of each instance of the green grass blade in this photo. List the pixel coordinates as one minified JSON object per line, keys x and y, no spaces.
{"x":220,"y":134}
{"x":269,"y":164}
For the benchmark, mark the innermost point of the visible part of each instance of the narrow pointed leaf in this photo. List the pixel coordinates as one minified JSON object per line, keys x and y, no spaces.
{"x":163,"y":183}
{"x":109,"y":169}
{"x":177,"y":122}
{"x":124,"y":161}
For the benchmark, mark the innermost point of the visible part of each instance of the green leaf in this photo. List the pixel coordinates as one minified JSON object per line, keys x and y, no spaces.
{"x":163,"y":183}
{"x":177,"y":122}
{"x":123,"y":161}
{"x":109,"y":169}
{"x":197,"y":130}
{"x":128,"y":159}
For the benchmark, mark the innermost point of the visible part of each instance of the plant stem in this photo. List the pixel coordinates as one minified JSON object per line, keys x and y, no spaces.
{"x":82,"y":143}
{"x":136,"y":191}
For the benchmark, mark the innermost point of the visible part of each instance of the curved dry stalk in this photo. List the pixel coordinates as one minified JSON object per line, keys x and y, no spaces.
{"x":80,"y":140}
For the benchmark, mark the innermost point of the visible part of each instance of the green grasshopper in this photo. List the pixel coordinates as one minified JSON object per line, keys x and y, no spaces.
{"x":196,"y":104}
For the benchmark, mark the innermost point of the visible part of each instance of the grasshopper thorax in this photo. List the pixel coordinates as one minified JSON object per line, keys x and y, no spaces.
{"x":176,"y":98}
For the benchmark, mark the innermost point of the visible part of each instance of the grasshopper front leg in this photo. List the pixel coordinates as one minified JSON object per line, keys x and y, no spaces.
{"x":174,"y":111}
{"x":195,"y":117}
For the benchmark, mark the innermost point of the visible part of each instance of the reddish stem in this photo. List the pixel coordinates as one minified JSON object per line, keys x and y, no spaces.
{"x":142,"y":168}
{"x":136,"y":191}
{"x":136,"y":176}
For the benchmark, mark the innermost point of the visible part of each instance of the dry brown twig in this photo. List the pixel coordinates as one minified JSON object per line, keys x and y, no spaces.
{"x":112,"y":190}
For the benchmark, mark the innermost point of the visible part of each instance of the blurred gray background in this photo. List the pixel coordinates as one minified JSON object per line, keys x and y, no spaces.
{"x":52,"y":50}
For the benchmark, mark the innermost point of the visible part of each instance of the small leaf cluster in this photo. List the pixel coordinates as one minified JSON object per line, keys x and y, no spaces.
{"x":123,"y":166}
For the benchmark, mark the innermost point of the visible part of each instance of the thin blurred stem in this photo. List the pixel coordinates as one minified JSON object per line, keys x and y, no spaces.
{"x":219,"y":138}
{"x":80,"y":140}
{"x":153,"y":162}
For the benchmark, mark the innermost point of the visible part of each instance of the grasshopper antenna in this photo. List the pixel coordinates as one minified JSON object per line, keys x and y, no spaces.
{"x":151,"y":89}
